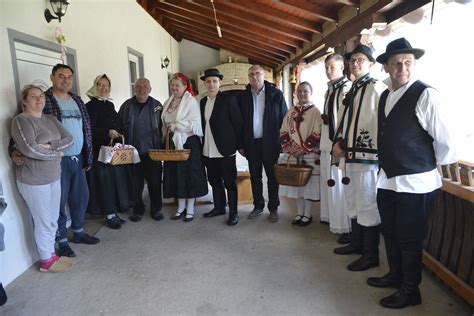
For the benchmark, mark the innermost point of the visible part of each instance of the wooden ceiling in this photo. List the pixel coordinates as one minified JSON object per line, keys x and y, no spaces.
{"x":274,"y":32}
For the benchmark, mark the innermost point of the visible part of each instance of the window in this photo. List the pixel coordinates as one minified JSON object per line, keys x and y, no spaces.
{"x":135,"y":66}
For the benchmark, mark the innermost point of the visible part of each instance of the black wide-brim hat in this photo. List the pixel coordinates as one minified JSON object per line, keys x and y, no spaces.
{"x":212,"y":73}
{"x":362,"y":49}
{"x":399,"y":46}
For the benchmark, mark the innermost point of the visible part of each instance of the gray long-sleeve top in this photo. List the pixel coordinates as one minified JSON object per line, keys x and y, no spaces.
{"x":42,"y":165}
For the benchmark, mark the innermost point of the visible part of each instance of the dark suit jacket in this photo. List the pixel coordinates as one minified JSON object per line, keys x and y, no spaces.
{"x":273,"y":115}
{"x":225,"y":122}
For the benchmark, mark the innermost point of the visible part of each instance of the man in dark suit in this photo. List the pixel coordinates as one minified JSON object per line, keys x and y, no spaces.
{"x":263,"y":109}
{"x":222,"y":126}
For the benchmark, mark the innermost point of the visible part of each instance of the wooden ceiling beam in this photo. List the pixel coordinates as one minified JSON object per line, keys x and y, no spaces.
{"x":235,"y":32}
{"x":309,"y":8}
{"x":191,"y":35}
{"x":232,"y":47}
{"x":352,"y":3}
{"x":230,"y":14}
{"x":191,"y":8}
{"x":284,"y":18}
{"x":212,"y":32}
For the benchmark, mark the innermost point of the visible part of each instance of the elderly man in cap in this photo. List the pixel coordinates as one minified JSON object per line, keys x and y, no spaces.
{"x":222,"y":127}
{"x":412,"y":139}
{"x":355,"y":144}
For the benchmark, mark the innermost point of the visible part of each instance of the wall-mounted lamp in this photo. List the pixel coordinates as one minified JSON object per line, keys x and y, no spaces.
{"x":165,"y":63}
{"x":59,"y":8}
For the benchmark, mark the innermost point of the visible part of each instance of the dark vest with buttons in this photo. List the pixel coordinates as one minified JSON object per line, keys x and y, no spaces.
{"x":404,"y":147}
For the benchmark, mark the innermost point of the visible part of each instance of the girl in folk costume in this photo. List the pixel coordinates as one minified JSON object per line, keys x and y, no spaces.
{"x":185,"y":180}
{"x":299,"y":138}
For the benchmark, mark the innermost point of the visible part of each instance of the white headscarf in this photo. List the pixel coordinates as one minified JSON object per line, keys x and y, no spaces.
{"x":93,"y":93}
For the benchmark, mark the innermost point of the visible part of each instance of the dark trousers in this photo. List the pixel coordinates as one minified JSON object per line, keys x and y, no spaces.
{"x":75,"y":193}
{"x":256,"y":165}
{"x":150,"y":171}
{"x":404,"y":227}
{"x":221,"y":173}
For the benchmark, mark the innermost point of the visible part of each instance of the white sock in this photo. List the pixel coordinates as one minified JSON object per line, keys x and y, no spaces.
{"x":190,"y":207}
{"x":300,"y":206}
{"x":181,"y":205}
{"x":110,"y":216}
{"x":308,"y":208}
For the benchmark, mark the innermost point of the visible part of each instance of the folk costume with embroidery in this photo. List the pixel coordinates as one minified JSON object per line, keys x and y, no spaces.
{"x":333,"y":207}
{"x":299,"y":136}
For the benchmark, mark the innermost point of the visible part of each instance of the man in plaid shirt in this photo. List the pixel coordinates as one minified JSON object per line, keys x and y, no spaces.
{"x":70,"y":110}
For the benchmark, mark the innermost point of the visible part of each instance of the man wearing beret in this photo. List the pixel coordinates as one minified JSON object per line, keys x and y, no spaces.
{"x":412,"y":139}
{"x":356,"y":144}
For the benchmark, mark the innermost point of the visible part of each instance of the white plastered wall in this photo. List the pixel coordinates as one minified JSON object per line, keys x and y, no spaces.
{"x":100,"y":31}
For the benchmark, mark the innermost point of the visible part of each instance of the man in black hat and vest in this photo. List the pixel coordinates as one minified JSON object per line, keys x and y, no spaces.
{"x":263,"y":109}
{"x":355,"y":144}
{"x":412,"y":139}
{"x":222,"y":126}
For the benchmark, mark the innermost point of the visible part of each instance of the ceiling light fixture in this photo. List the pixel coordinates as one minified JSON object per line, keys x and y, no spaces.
{"x":59,"y":8}
{"x":218,"y":28}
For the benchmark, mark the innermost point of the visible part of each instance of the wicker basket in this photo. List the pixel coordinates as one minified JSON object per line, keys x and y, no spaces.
{"x":168,"y":154}
{"x":292,"y":175}
{"x":122,"y":156}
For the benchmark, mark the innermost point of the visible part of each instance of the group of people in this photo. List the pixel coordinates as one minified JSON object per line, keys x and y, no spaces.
{"x":373,"y":151}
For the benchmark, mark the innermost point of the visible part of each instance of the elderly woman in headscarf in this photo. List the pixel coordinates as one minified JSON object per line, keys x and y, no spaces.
{"x":108,"y":187}
{"x":181,"y":117}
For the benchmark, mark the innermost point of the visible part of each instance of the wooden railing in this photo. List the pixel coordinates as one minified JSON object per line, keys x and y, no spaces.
{"x":449,"y":245}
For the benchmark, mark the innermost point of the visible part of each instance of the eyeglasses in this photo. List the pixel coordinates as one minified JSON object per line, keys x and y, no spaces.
{"x":255,"y":74}
{"x":357,"y":60}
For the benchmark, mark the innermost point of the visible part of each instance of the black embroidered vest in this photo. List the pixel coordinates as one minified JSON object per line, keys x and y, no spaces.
{"x":404,"y":147}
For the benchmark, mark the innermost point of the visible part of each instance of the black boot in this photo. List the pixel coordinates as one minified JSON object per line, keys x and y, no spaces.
{"x":356,"y":242}
{"x":394,"y":277}
{"x":409,"y":293}
{"x":370,"y":250}
{"x":218,"y":195}
{"x":233,"y":216}
{"x":3,"y":295}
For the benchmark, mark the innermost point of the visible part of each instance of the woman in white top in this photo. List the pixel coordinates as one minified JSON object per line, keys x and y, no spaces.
{"x":181,"y":117}
{"x":299,"y":137}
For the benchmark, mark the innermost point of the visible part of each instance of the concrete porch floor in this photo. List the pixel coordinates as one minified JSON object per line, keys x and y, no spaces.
{"x":207,"y":268}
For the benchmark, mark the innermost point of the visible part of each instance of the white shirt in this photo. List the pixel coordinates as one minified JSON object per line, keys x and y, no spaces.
{"x":258,"y":109}
{"x":209,"y":149}
{"x":429,"y":114}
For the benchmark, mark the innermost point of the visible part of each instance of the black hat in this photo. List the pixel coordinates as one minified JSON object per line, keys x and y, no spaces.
{"x":362,"y":49}
{"x":212,"y":73}
{"x":399,"y":46}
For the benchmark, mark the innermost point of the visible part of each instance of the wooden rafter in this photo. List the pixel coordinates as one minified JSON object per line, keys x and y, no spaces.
{"x":310,"y":8}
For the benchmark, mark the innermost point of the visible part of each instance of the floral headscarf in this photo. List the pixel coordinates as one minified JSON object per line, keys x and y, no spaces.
{"x":93,"y":93}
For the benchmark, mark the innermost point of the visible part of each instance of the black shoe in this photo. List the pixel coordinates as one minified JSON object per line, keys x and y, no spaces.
{"x":388,"y":280}
{"x":85,"y":239}
{"x":323,"y":222}
{"x":345,"y":238}
{"x":401,"y":300}
{"x":296,"y":220}
{"x":65,"y":251}
{"x":233,"y":219}
{"x":3,"y":295}
{"x":214,"y":212}
{"x":189,"y":218}
{"x":135,"y":218}
{"x":122,"y":221}
{"x":178,"y":215}
{"x":364,"y":263}
{"x":273,"y":216}
{"x":114,"y":223}
{"x":157,"y":216}
{"x":348,"y":250}
{"x":256,"y":212}
{"x":303,"y":223}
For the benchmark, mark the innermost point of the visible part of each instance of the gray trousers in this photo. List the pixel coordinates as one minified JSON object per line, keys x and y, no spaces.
{"x":43,"y":203}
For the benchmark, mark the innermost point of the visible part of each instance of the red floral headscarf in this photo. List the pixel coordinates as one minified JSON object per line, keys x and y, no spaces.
{"x":185,"y":80}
